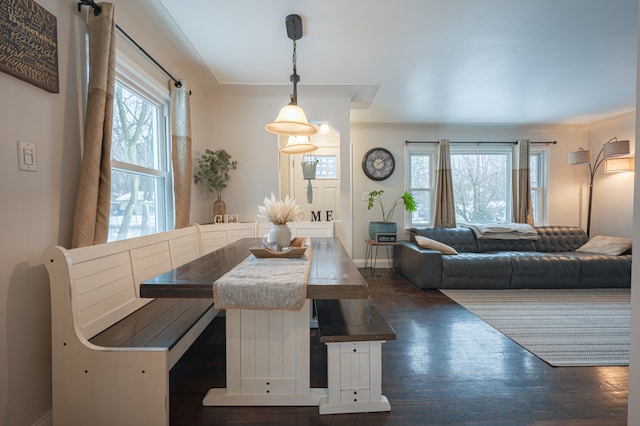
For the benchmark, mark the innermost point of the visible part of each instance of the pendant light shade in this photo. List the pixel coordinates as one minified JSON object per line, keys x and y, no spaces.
{"x":298,"y":145}
{"x":291,"y":121}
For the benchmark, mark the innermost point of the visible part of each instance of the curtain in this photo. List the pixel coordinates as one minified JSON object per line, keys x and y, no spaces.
{"x":522,"y":211}
{"x":445,"y":213}
{"x":181,"y":153}
{"x":91,"y":215}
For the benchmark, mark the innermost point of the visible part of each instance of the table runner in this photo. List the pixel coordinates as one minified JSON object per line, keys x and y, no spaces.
{"x":264,"y":284}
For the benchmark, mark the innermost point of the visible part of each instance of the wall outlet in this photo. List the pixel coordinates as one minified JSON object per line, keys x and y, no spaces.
{"x":365,"y":196}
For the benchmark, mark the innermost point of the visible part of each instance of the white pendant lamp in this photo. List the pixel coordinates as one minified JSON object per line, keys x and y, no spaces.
{"x":292,"y":121}
{"x":298,"y":145}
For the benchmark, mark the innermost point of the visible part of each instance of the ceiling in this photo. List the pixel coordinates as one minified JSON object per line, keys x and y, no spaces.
{"x":427,"y":61}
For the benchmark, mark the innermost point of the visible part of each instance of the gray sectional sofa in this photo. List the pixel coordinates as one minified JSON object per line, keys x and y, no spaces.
{"x":547,"y":262}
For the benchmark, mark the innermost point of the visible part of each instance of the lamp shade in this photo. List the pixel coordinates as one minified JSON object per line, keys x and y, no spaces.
{"x":579,"y":157}
{"x":616,"y":148}
{"x":619,"y":164}
{"x":291,"y":121}
{"x":298,"y":145}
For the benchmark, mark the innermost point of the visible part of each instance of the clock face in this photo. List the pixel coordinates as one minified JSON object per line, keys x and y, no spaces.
{"x":378,"y":164}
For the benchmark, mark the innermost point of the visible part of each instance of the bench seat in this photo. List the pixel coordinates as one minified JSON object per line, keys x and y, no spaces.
{"x":353,"y":330}
{"x":161,"y":323}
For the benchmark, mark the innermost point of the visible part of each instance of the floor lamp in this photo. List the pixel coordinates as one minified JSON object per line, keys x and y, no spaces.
{"x":613,"y":148}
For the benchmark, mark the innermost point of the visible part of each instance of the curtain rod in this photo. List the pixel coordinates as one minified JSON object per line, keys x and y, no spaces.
{"x":97,"y":10}
{"x":483,"y":142}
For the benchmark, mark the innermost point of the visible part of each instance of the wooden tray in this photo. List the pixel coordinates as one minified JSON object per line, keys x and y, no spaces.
{"x":292,"y":252}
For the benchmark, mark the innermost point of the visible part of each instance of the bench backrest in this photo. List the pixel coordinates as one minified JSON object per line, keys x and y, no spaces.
{"x":300,"y":229}
{"x":103,"y":280}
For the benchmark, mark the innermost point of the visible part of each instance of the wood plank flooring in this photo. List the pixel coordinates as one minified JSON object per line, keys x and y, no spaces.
{"x":446,"y":367}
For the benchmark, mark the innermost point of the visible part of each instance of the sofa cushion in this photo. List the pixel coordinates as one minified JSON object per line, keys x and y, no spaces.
{"x":428,"y":243}
{"x":490,"y":245}
{"x":476,"y":270}
{"x":603,"y":271}
{"x":461,"y":239}
{"x":559,"y":238}
{"x":543,"y":270}
{"x":600,"y":244}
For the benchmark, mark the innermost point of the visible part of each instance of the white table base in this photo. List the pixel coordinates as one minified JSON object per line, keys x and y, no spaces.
{"x":268,"y":360}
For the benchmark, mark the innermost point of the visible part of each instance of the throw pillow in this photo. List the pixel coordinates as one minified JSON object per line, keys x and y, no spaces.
{"x":600,"y":244}
{"x":428,"y":243}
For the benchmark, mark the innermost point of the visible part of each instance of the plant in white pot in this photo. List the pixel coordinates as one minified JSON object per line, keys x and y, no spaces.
{"x":386,"y":226}
{"x":212,"y":168}
{"x":279,"y":212}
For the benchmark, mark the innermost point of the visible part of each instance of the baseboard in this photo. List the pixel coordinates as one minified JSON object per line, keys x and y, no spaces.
{"x":45,"y":420}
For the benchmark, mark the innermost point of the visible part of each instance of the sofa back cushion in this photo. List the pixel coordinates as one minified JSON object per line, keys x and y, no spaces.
{"x":560,"y":238}
{"x":490,"y":244}
{"x":461,"y":239}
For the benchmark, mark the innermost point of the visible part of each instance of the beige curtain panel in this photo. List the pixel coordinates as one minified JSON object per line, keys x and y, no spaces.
{"x":522,"y":210}
{"x":181,"y":153}
{"x":91,"y":216}
{"x":445,"y":212}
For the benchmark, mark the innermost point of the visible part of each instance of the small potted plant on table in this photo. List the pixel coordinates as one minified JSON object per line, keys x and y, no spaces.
{"x":386,"y":226}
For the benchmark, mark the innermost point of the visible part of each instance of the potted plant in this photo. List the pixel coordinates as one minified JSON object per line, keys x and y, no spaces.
{"x":386,"y":226}
{"x":212,"y":168}
{"x":279,"y":212}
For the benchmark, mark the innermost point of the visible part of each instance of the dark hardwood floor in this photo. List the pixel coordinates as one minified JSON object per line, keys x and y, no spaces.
{"x":446,"y":367}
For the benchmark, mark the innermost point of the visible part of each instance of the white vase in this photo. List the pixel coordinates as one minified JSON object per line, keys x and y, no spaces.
{"x":281,"y":235}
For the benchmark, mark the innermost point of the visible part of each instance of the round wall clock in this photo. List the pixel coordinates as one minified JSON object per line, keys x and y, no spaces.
{"x":378,"y":164}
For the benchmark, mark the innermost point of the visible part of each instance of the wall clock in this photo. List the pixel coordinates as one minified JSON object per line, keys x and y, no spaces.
{"x":378,"y":164}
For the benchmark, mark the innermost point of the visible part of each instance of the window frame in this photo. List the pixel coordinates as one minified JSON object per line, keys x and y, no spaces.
{"x":541,"y":152}
{"x":151,"y":90}
{"x":428,"y":150}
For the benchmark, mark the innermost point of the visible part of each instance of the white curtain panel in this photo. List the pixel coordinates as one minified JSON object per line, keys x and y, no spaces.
{"x":181,"y":152}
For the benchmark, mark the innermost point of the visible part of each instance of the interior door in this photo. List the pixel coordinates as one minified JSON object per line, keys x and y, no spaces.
{"x":325,"y":204}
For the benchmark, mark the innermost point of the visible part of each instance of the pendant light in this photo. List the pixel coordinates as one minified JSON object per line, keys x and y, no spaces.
{"x":298,"y":145}
{"x":292,"y":121}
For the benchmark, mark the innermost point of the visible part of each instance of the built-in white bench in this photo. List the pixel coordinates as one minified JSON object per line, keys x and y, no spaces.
{"x":112,"y":350}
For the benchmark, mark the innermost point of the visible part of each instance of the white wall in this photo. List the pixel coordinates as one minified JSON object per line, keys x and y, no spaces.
{"x":37,"y":207}
{"x":612,"y":212}
{"x":236,"y":123}
{"x":633,"y":414}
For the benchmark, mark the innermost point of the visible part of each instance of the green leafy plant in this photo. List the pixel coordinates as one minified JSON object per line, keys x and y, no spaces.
{"x":407,"y":200}
{"x":213,"y":168}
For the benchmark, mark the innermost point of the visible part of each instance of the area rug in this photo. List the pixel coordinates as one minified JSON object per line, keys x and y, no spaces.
{"x":562,"y":327}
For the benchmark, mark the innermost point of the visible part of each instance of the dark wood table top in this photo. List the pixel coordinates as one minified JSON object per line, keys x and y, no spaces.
{"x":333,"y":274}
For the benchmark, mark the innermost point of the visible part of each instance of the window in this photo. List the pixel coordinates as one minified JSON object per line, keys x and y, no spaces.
{"x":421,"y":182}
{"x":141,"y":181}
{"x":538,"y":173}
{"x":481,"y":183}
{"x":327,"y":167}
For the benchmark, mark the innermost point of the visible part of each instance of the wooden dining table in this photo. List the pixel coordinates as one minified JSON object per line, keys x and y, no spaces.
{"x":268,"y":351}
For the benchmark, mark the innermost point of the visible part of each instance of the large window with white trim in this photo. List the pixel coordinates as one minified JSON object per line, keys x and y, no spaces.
{"x":141,"y":180}
{"x":482,"y":182}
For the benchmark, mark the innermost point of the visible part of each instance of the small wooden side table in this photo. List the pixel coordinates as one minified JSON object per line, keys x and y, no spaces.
{"x":371,"y":255}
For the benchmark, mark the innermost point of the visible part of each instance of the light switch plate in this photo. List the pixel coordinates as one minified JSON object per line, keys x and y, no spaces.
{"x":27,"y":158}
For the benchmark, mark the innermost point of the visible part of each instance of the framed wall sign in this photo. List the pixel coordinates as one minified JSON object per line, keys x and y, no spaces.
{"x":29,"y":43}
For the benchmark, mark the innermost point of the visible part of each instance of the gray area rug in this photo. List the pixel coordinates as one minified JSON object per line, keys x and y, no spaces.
{"x":587,"y":327}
